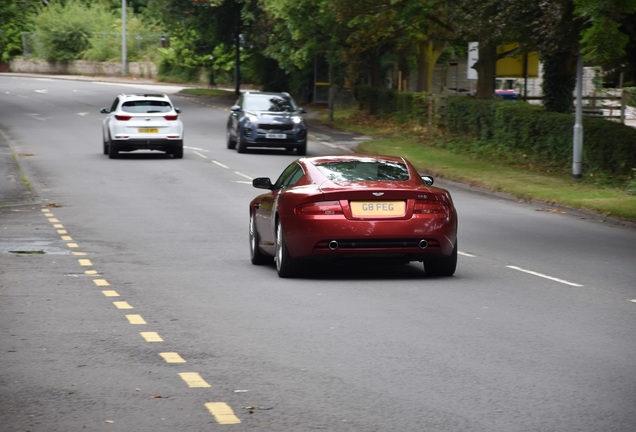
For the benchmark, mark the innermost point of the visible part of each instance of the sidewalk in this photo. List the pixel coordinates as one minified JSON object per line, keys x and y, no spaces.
{"x":13,"y":190}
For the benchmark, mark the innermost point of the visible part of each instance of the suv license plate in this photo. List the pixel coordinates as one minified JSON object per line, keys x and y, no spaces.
{"x":275,"y":136}
{"x":148,"y":130}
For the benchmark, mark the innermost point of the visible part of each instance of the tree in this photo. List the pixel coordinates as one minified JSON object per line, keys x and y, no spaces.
{"x":14,"y":20}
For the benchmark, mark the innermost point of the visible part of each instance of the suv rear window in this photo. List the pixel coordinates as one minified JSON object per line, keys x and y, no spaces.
{"x":146,"y":106}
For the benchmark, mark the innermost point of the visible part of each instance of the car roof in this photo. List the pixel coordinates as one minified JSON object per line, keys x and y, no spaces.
{"x":144,"y":96}
{"x":316,"y":160}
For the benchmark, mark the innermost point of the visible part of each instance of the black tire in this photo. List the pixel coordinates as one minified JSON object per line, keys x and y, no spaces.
{"x":230,"y":143}
{"x":113,"y":150}
{"x":178,"y":152}
{"x":257,"y":257}
{"x":105,"y":144}
{"x":286,"y":266}
{"x":240,"y":145}
{"x":441,"y":265}
{"x":302,"y":149}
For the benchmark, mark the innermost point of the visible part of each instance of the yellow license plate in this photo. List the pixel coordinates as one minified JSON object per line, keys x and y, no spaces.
{"x":148,"y":130}
{"x":377,"y":208}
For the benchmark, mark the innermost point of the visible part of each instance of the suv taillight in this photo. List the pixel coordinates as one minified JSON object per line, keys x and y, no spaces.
{"x":171,"y":117}
{"x":123,"y":117}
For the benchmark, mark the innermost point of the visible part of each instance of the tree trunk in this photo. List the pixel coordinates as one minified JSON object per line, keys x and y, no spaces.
{"x":486,"y":68}
{"x":559,"y":81}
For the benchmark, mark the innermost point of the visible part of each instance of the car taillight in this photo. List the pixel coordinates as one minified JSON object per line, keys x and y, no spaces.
{"x":123,"y":117}
{"x":430,"y":207}
{"x":320,"y":208}
{"x":171,"y":117}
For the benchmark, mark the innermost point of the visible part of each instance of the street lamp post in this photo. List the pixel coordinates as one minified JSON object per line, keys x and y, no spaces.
{"x":124,"y":53}
{"x":577,"y":147}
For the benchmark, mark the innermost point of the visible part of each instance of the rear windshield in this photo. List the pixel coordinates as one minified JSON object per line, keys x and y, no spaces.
{"x":270,"y":103}
{"x":355,"y":171}
{"x":146,"y":106}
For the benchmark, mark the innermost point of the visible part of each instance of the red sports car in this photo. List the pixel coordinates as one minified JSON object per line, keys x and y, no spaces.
{"x":352,"y":206}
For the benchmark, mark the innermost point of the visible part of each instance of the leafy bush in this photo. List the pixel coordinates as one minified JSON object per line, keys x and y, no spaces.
{"x":63,"y":29}
{"x":518,"y":131}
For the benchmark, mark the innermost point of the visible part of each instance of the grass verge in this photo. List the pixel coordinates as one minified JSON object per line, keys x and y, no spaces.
{"x":425,"y":148}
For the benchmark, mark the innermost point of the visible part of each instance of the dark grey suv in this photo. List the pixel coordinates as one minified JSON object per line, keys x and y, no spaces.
{"x":263,"y":119}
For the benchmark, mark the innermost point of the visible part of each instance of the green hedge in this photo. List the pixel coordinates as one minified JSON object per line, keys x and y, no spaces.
{"x":517,"y":129}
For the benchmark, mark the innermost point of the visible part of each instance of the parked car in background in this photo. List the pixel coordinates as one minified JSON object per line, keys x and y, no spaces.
{"x":142,"y":122}
{"x":264,"y":119}
{"x":352,"y":206}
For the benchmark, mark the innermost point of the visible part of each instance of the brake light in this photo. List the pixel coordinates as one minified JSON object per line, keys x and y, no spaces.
{"x":171,"y":117}
{"x":320,"y":208}
{"x":429,"y":207}
{"x":123,"y":117}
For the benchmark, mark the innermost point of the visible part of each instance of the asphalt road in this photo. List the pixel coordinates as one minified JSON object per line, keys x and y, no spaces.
{"x":128,"y":302}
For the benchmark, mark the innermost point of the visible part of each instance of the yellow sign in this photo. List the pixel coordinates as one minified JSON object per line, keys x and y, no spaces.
{"x":517,"y":66}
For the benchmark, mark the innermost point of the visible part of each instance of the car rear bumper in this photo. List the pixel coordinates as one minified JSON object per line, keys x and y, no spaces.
{"x":412,"y":240}
{"x":164,"y":144}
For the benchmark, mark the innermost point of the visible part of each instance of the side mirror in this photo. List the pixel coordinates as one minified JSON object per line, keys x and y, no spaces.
{"x":235,"y":108}
{"x":262,"y":183}
{"x":428,"y":180}
{"x":178,"y":110}
{"x":302,"y":110}
{"x":104,"y":110}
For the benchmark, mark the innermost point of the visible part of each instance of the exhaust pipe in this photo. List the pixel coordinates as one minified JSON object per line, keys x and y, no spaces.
{"x":333,"y":245}
{"x":423,"y":244}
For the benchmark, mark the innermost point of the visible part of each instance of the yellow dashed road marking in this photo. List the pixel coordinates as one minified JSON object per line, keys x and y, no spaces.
{"x":53,"y":220}
{"x":85,"y":262}
{"x":135,"y":319}
{"x":90,"y":272}
{"x":151,"y":336}
{"x":110,"y":293}
{"x":62,"y":231}
{"x":122,"y":305}
{"x":79,"y":253}
{"x":58,"y":226}
{"x":101,"y":282}
{"x":222,"y":413}
{"x":67,"y":238}
{"x":194,"y":380}
{"x":172,"y":357}
{"x":72,"y":245}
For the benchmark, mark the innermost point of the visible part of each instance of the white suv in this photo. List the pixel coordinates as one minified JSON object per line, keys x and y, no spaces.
{"x":142,"y":122}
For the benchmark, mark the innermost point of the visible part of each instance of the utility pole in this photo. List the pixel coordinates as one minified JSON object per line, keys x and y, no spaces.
{"x":577,"y":147}
{"x":237,"y":60}
{"x":124,"y":52}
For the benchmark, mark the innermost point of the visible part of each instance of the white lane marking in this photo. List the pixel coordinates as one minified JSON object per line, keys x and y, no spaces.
{"x":220,"y":164}
{"x":466,"y":254}
{"x":243,"y":175}
{"x":633,"y":301}
{"x":42,"y":91}
{"x":196,"y":148}
{"x":199,"y":154}
{"x":82,"y":114}
{"x":243,"y":182}
{"x":544,"y":276}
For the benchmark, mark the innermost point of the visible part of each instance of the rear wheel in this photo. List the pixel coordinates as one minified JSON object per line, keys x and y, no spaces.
{"x":301,"y":150}
{"x":286,"y":266}
{"x":113,"y":150}
{"x":257,"y":257}
{"x":441,"y":265}
{"x":105,"y":145}
{"x":178,"y":152}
